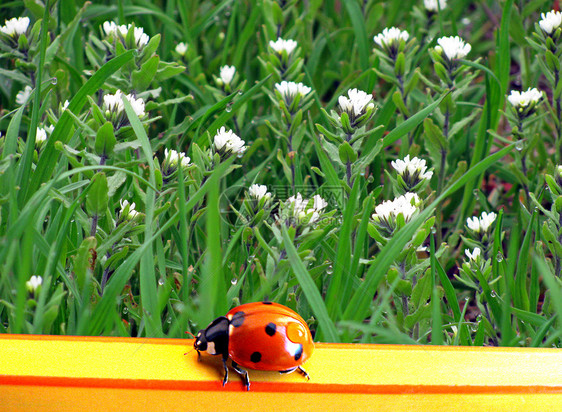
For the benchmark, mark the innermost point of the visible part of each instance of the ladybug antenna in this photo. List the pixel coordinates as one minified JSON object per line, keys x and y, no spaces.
{"x":189,"y":333}
{"x":187,"y":353}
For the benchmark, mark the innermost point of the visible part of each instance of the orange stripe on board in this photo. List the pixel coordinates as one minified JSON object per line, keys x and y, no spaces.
{"x":305,"y":387}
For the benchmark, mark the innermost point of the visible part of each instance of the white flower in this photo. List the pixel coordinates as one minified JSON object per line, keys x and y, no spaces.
{"x":33,"y":283}
{"x":412,"y":171}
{"x":172,"y":157}
{"x":114,"y":103}
{"x":302,"y":212}
{"x":15,"y":26}
{"x":550,"y":21}
{"x":431,"y":5}
{"x":40,"y":136}
{"x":128,"y":209}
{"x":290,"y":90}
{"x":523,"y":99}
{"x":357,"y":102}
{"x":110,"y":28}
{"x":137,"y":104}
{"x":258,"y":192}
{"x":227,"y":74}
{"x":386,"y":213}
{"x":181,"y":49}
{"x":280,"y":45}
{"x":474,"y":255}
{"x":228,"y":142}
{"x":319,"y":203}
{"x":453,"y":47}
{"x":65,"y":105}
{"x":141,"y":38}
{"x":482,"y":224}
{"x":390,"y":37}
{"x":23,"y":95}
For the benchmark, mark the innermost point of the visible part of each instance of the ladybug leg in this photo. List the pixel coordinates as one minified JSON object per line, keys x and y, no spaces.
{"x":287,"y":371}
{"x":225,"y":379}
{"x":305,"y":373}
{"x":243,"y":373}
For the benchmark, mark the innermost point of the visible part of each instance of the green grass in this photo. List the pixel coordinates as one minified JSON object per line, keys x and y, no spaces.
{"x":200,"y":245}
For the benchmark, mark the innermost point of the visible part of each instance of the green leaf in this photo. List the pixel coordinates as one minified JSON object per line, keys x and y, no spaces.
{"x":97,"y":199}
{"x":83,"y":263}
{"x":142,"y":78}
{"x":105,"y":140}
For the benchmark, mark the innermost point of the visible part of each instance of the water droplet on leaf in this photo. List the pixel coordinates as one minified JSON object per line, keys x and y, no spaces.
{"x":160,"y":281}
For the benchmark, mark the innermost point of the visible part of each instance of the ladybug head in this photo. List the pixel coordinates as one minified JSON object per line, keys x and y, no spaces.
{"x":200,"y":343}
{"x":214,"y":339}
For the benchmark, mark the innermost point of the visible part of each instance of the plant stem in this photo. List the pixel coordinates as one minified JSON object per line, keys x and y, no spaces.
{"x":441,"y":181}
{"x":94,"y":226}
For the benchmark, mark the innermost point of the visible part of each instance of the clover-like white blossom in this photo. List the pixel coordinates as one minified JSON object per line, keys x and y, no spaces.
{"x":431,"y":5}
{"x":227,"y":74}
{"x":474,"y":255}
{"x":15,"y":27}
{"x":390,"y":36}
{"x":110,"y":28}
{"x":127,"y":209}
{"x":137,"y":104}
{"x":357,"y":102}
{"x":550,"y":21}
{"x":33,"y":283}
{"x":258,"y":192}
{"x":289,"y":90}
{"x":303,"y":211}
{"x":454,"y":47}
{"x":319,"y":204}
{"x":524,"y":98}
{"x":482,"y":224}
{"x":227,"y":142}
{"x":279,"y":45}
{"x":181,"y":49}
{"x":386,"y":213}
{"x":113,"y":103}
{"x":412,"y":169}
{"x":23,"y":95}
{"x":172,"y":158}
{"x":40,"y":135}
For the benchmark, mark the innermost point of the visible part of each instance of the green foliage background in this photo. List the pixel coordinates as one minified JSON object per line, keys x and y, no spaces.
{"x":189,"y":257}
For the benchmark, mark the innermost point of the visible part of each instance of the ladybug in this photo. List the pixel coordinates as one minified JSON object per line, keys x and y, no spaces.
{"x":260,"y":335}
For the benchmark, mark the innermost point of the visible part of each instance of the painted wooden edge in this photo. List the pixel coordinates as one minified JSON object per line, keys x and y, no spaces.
{"x":74,"y":370}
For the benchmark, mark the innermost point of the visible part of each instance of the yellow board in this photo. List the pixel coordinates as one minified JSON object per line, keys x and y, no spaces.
{"x":80,"y":373}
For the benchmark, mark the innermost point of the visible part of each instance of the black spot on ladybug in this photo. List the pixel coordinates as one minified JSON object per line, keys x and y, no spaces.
{"x":256,"y":357}
{"x":238,"y":319}
{"x":298,"y":353}
{"x":270,"y":329}
{"x":265,"y":302}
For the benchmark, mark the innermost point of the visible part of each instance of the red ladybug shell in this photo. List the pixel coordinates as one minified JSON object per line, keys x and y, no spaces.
{"x":268,"y":336}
